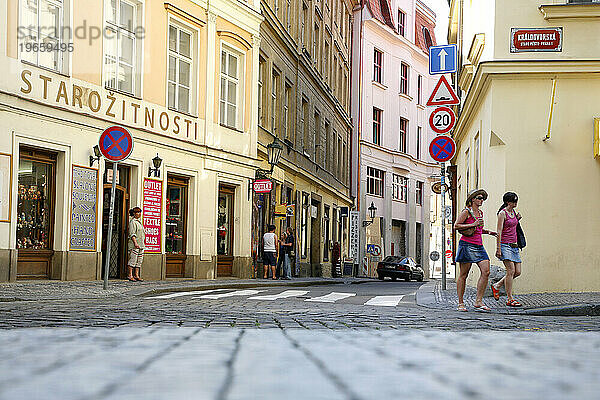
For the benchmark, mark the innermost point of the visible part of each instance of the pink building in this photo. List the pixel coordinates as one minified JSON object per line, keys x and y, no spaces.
{"x":390,"y":86}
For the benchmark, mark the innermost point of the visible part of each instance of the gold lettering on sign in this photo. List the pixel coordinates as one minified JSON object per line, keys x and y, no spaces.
{"x":160,"y":121}
{"x":136,"y":107}
{"x":123,"y":111}
{"x":77,"y":93}
{"x":110,"y":106}
{"x":98,"y":104}
{"x":149,"y":117}
{"x":62,"y":93}
{"x":26,"y":81}
{"x":46,"y":79}
{"x":176,"y":123}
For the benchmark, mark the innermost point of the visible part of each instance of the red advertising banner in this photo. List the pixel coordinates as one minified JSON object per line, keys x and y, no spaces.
{"x":152,"y":214}
{"x":535,"y":39}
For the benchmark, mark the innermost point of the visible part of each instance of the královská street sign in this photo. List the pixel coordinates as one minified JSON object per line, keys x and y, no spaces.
{"x":115,"y":143}
{"x":442,"y":59}
{"x":442,"y":120}
{"x":442,"y":148}
{"x":535,"y":39}
{"x":443,"y":94}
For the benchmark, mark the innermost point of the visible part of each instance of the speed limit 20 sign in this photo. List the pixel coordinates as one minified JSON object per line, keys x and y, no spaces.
{"x":442,"y":120}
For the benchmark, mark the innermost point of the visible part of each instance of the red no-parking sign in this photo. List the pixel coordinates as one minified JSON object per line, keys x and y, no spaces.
{"x":442,"y":148}
{"x":116,"y":143}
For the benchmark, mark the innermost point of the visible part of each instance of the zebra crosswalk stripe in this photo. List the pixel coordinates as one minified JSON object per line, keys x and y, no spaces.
{"x":249,"y":292}
{"x":331,"y":297}
{"x":385,"y":301}
{"x":282,"y":295}
{"x":179,"y":294}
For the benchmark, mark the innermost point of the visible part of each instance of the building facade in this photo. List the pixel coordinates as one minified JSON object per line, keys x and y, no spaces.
{"x":181,"y":77}
{"x":528,"y":124}
{"x":304,"y":101}
{"x":390,"y":86}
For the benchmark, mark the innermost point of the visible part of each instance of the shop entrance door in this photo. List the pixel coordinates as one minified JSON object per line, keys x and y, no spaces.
{"x":315,"y":238}
{"x":35,"y":213}
{"x":225,"y":231}
{"x":176,"y":226}
{"x":118,"y":247}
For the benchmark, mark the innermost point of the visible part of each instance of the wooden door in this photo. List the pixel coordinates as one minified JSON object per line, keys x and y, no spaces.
{"x":225,"y":231}
{"x":176,"y":226}
{"x":35,"y":213}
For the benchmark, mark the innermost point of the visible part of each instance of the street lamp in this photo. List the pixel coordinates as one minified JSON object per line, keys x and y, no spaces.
{"x":156,"y":161}
{"x":372,"y":209}
{"x":96,"y":156}
{"x":274,"y":152}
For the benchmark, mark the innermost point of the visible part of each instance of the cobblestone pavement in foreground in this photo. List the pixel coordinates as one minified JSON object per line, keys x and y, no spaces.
{"x":228,"y":364}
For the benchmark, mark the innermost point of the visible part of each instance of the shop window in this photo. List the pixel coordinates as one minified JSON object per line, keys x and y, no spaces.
{"x":181,"y":77}
{"x":224,"y":221}
{"x":231,"y":93}
{"x":175,"y":230}
{"x":303,"y":225}
{"x":123,"y":46}
{"x":326,"y":242}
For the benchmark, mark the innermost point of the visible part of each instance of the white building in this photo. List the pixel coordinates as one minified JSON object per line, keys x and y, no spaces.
{"x":391,"y":82}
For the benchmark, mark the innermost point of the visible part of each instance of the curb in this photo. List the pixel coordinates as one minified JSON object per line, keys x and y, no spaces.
{"x":425,"y":296}
{"x":568,"y":310}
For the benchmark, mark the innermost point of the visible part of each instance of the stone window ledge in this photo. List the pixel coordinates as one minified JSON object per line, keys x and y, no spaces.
{"x":573,"y":11}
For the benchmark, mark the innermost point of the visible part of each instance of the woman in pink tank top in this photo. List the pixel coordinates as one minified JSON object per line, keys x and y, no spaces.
{"x":470,"y":249}
{"x":507,"y":249}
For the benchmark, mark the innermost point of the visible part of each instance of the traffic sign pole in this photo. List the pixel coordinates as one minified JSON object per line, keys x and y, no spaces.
{"x":111,"y":215}
{"x":443,"y":226}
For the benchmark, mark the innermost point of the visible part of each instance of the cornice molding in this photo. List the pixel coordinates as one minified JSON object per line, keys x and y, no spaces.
{"x":571,"y":11}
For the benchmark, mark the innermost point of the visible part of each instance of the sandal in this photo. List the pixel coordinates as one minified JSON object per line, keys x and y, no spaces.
{"x":513,"y":303}
{"x":482,"y":308}
{"x":462,"y":308}
{"x":139,"y":279}
{"x":495,"y":292}
{"x":131,"y":279}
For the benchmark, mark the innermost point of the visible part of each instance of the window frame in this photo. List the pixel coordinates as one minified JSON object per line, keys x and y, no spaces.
{"x":193,"y":32}
{"x":239,"y":114}
{"x":401,"y":26}
{"x":377,"y":66}
{"x":399,"y":188}
{"x":375,"y":182}
{"x":418,"y":149}
{"x":403,"y":133}
{"x":377,"y":124}
{"x":404,"y":78}
{"x":419,"y":188}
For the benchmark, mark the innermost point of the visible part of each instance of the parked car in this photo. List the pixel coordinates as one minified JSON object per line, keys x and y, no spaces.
{"x":400,"y":267}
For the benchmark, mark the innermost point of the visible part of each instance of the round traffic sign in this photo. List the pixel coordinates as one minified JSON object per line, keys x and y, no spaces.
{"x":434,"y":256}
{"x":442,"y":120}
{"x":116,"y":143}
{"x":442,"y":148}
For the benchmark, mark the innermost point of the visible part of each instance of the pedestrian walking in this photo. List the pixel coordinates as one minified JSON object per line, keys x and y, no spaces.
{"x":287,"y":249}
{"x":507,"y":248}
{"x":270,"y":250}
{"x":470,"y":248}
{"x":135,"y":245}
{"x":280,"y":259}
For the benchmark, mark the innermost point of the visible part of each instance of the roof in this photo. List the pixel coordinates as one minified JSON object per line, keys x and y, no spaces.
{"x":381,"y":10}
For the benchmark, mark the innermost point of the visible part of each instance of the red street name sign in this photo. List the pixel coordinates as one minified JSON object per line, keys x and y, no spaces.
{"x":262,"y":186}
{"x":535,"y":39}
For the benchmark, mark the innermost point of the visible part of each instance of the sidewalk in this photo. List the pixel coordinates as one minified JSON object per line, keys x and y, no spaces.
{"x":431,"y":295}
{"x":68,"y":290}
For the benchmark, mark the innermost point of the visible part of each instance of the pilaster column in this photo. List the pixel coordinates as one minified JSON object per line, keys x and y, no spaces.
{"x":211,"y":61}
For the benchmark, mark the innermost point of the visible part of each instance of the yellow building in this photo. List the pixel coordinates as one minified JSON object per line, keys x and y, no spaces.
{"x":181,"y":77}
{"x":530,"y":83}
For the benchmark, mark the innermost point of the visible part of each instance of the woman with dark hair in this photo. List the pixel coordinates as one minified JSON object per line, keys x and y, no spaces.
{"x":470,"y":248}
{"x":135,"y":245}
{"x":507,"y":248}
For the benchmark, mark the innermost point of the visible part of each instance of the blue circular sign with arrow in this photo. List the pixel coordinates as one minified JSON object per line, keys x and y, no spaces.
{"x":116,"y":143}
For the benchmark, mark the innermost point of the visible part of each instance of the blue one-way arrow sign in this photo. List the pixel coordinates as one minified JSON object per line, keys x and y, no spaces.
{"x":442,"y":59}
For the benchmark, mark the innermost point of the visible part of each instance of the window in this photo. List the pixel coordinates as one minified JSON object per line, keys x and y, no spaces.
{"x":399,"y":188}
{"x":315,"y":43}
{"x":419,"y":193}
{"x":303,"y":224}
{"x":401,"y":20}
{"x":230,"y":98}
{"x":303,"y":30}
{"x":427,"y":36}
{"x":122,"y":48}
{"x":286,"y":110}
{"x":476,"y":156}
{"x":274,"y":108}
{"x":404,"y":71}
{"x":377,"y":66}
{"x":418,"y":154}
{"x":317,"y":137}
{"x":326,"y":62}
{"x":345,"y":164}
{"x":304,"y":122}
{"x":326,"y":159}
{"x":326,"y":241}
{"x":375,"y":181}
{"x":340,"y":161}
{"x":261,"y":79}
{"x":420,"y":89}
{"x":43,"y":25}
{"x":179,"y":79}
{"x":377,"y":126}
{"x":403,"y":134}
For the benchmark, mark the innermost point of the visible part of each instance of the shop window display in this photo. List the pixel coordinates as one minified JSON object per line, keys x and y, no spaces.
{"x":175,"y":223}
{"x":34,"y":205}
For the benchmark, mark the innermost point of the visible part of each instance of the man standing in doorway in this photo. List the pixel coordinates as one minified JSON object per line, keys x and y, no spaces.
{"x":287,"y":249}
{"x":270,"y":250}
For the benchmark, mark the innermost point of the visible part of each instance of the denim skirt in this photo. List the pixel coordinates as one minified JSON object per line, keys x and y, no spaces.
{"x":510,"y":253}
{"x":470,"y":253}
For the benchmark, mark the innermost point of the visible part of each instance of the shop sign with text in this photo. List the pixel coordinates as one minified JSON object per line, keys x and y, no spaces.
{"x":152,"y":214}
{"x":535,"y":39}
{"x":262,"y":186}
{"x":84,"y":209}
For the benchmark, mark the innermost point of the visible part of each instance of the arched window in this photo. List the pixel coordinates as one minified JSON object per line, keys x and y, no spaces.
{"x":427,"y":36}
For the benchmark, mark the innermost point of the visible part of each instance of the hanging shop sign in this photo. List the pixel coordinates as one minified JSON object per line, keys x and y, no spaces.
{"x":84,"y":208}
{"x":152,"y":215}
{"x":262,"y":186}
{"x":536,"y":39}
{"x":5,"y":185}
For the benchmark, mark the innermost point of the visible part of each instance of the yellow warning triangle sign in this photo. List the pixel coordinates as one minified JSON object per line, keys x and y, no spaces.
{"x":443,"y":94}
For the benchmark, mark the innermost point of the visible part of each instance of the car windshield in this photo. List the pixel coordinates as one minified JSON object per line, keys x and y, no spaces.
{"x":392,"y":259}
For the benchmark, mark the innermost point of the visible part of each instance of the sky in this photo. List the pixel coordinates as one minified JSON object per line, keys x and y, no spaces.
{"x":440,"y":7}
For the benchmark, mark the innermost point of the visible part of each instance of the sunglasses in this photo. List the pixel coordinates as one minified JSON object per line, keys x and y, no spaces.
{"x":479,"y":198}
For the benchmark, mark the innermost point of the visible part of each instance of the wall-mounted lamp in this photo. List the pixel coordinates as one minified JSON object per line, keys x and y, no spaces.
{"x":372,"y":209}
{"x":96,"y":156}
{"x":156,"y":161}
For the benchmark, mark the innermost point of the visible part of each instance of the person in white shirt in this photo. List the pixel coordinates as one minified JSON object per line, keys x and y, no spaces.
{"x":270,"y":250}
